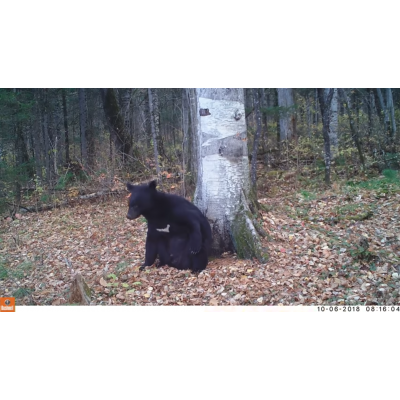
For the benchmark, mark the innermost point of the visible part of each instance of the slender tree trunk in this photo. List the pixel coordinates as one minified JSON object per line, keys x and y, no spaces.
{"x":22,"y":159}
{"x":115,"y":122}
{"x":66,"y":132}
{"x":325,"y":104}
{"x":354,"y":131}
{"x":46,"y":138}
{"x":193,"y":145}
{"x":90,"y":127}
{"x":370,"y":118}
{"x":125,"y":108}
{"x":278,"y":128}
{"x":334,"y":125}
{"x":309,"y":115}
{"x":287,"y":121}
{"x":223,"y":184}
{"x":185,"y":139}
{"x":383,"y":110}
{"x":38,"y":137}
{"x":390,"y":107}
{"x":154,"y":132}
{"x":83,"y":126}
{"x":264,"y":130}
{"x":256,"y":140}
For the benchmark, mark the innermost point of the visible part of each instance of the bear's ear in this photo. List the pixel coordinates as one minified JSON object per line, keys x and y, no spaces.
{"x":153,"y":184}
{"x":130,"y":187}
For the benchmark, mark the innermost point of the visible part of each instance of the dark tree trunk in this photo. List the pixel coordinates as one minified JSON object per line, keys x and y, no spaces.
{"x":46,"y":137}
{"x":38,"y":142}
{"x":22,"y":159}
{"x":115,"y":122}
{"x":83,"y":126}
{"x":264,"y":131}
{"x":193,"y":137}
{"x":185,"y":139}
{"x":66,"y":133}
{"x":256,"y":140}
{"x":354,"y":131}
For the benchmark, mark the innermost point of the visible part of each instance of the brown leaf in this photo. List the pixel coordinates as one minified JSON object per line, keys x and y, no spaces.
{"x":213,"y":302}
{"x":103,"y":282}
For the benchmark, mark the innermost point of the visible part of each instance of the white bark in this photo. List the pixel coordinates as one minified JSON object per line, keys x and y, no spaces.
{"x":223,"y":169}
{"x":287,"y":115}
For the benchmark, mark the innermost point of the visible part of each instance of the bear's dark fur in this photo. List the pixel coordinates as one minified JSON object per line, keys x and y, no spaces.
{"x":177,"y":230}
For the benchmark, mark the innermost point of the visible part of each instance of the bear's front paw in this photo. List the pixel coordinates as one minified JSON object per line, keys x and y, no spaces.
{"x":142,"y":267}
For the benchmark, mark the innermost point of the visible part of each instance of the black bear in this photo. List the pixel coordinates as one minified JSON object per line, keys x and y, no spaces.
{"x":177,"y":230}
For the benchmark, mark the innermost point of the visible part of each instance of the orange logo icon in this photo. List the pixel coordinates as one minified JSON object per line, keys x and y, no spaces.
{"x":7,"y":304}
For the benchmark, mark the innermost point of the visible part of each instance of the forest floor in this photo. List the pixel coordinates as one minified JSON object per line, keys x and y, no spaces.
{"x":338,"y":247}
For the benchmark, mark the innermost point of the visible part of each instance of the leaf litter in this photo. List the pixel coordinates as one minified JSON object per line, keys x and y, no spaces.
{"x":319,"y":253}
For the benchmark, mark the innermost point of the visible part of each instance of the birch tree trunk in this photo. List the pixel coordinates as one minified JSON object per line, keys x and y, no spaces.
{"x":154,"y":132}
{"x":223,"y":184}
{"x":287,"y":120}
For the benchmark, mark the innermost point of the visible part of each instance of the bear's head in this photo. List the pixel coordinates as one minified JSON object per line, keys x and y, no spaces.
{"x":141,"y":199}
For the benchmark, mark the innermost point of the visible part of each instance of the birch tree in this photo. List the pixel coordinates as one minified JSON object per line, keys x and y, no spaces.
{"x":223,"y":184}
{"x":154,"y":130}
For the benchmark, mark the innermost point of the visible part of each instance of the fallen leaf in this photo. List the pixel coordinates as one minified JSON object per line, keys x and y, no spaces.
{"x":103,"y":282}
{"x":213,"y":302}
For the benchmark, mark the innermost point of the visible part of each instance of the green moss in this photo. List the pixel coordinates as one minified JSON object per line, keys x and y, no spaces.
{"x":87,"y":290}
{"x":22,"y":292}
{"x":247,"y":244}
{"x":3,"y":272}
